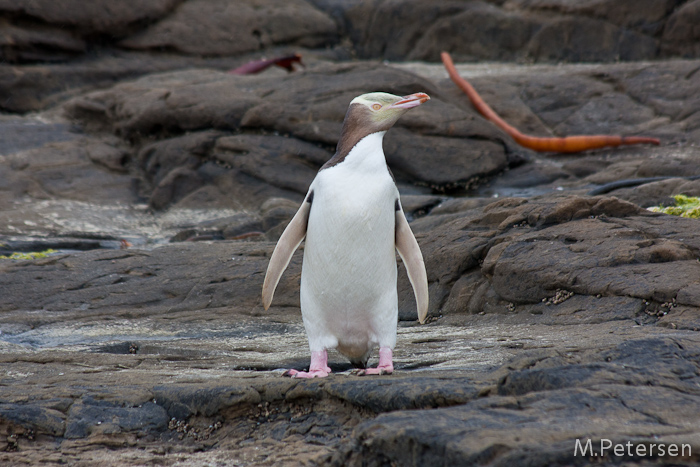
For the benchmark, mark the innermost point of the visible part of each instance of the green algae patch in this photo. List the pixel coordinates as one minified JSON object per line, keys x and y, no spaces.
{"x":686,"y":206}
{"x":30,"y":255}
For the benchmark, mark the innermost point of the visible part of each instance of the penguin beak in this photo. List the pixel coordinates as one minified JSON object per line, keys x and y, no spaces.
{"x":410,"y":101}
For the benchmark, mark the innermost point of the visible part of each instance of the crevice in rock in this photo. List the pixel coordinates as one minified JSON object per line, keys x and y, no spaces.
{"x":652,"y":416}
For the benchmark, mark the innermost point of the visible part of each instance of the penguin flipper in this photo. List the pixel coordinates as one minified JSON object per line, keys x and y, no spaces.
{"x":286,"y":246}
{"x":408,"y":249}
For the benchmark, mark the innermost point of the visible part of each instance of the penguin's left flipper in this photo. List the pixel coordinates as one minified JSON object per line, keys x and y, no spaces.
{"x":286,"y":246}
{"x":408,"y":249}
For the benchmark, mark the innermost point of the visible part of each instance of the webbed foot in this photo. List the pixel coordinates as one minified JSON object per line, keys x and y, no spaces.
{"x":318,"y":369}
{"x":385,"y":367}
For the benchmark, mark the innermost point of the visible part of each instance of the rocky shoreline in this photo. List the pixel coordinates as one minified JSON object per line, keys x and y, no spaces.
{"x":162,"y":182}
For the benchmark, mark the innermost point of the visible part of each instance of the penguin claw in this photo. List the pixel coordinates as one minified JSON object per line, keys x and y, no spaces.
{"x":385,"y":367}
{"x":318,"y":368}
{"x":375,"y":371}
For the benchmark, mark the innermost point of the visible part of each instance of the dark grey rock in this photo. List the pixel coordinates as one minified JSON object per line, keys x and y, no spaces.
{"x":215,"y":27}
{"x":381,"y":396}
{"x":680,"y":37}
{"x":262,"y":157}
{"x":82,"y":169}
{"x":90,"y":416}
{"x":18,"y":134}
{"x":134,"y":279}
{"x":182,"y":403}
{"x":41,"y":420}
{"x":571,"y":38}
{"x":588,"y":400}
{"x":99,"y":17}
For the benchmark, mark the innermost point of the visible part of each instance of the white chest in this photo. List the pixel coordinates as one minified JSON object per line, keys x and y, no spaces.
{"x":351,"y":222}
{"x":360,"y":182}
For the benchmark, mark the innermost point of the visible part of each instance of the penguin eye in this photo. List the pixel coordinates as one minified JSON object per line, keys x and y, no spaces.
{"x":376,"y":106}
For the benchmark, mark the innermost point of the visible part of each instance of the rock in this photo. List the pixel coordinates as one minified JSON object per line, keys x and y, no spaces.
{"x":210,"y":196}
{"x":314,"y":118}
{"x":176,"y":185}
{"x":570,"y":39}
{"x":516,"y":30}
{"x":239,"y":226}
{"x":94,"y":45}
{"x":520,"y":30}
{"x":19,"y":134}
{"x":453,"y":166}
{"x":21,"y":45}
{"x":659,"y":193}
{"x":441,"y":121}
{"x":186,"y":100}
{"x":217,"y":158}
{"x":680,"y":36}
{"x":602,"y":396}
{"x":418,"y":205}
{"x":381,"y":398}
{"x":90,"y":416}
{"x":262,"y":157}
{"x":607,"y":352}
{"x":673,"y":89}
{"x":512,"y":238}
{"x":39,"y":419}
{"x":216,"y":27}
{"x":455,"y":205}
{"x":42,"y":85}
{"x":680,"y":318}
{"x":646,"y":16}
{"x":454,"y":430}
{"x":149,"y":105}
{"x":500,"y":241}
{"x":276,"y":214}
{"x":34,"y":245}
{"x":571,"y":116}
{"x":101,"y":17}
{"x":157,"y":160}
{"x":578,"y":98}
{"x":130,"y":279}
{"x":478,"y":32}
{"x":366,"y":21}
{"x":84,"y":169}
{"x":184,"y":402}
{"x":50,"y":32}
{"x":210,"y":169}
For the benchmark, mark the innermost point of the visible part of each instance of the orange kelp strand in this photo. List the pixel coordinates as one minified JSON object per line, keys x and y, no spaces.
{"x":581,"y":143}
{"x":568,"y":144}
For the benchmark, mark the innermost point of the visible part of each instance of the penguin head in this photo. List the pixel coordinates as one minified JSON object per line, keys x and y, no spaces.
{"x":372,"y":113}
{"x":382,"y":110}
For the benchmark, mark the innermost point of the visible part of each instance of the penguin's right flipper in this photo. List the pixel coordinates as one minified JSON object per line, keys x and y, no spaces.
{"x":286,"y":246}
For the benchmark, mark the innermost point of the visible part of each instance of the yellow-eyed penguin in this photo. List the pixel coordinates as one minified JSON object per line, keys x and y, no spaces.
{"x":353,"y":221}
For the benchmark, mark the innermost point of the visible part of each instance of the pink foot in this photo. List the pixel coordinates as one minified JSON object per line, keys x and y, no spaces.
{"x":385,"y":367}
{"x":318,"y":368}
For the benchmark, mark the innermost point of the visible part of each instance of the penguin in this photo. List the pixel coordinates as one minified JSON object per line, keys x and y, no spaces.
{"x":353,"y":223}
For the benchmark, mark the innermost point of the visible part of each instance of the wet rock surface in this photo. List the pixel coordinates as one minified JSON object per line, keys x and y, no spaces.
{"x":553,"y":320}
{"x":162,"y":183}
